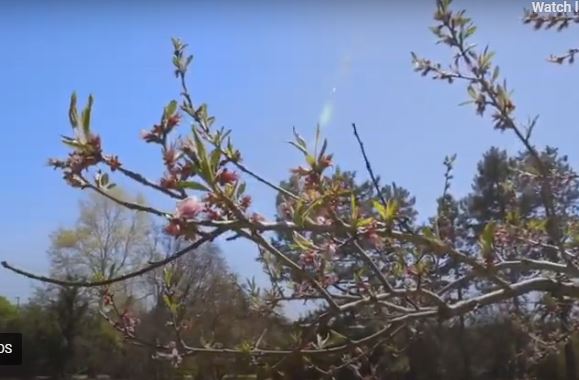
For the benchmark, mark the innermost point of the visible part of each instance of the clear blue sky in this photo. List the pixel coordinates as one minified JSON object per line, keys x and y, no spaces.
{"x":262,"y":69}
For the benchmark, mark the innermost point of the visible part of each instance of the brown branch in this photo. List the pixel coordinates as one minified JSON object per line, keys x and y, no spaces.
{"x":259,"y":178}
{"x":130,"y":205}
{"x":90,"y":284}
{"x":260,"y":241}
{"x":390,"y":330}
{"x":366,"y":258}
{"x":522,"y":264}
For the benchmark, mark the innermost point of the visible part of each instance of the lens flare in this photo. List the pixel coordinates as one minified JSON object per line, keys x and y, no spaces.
{"x":342,"y":72}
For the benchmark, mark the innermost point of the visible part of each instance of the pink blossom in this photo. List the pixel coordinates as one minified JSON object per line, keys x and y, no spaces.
{"x":189,"y":208}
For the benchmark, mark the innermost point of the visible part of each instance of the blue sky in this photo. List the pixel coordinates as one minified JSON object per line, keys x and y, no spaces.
{"x":262,"y":69}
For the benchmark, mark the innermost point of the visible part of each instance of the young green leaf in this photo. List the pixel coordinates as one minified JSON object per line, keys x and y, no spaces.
{"x":171,"y":108}
{"x":300,"y":141}
{"x":392,"y":208}
{"x":192,"y":185}
{"x":487,"y":241}
{"x":380,"y":208}
{"x":240,"y":188}
{"x":302,"y":242}
{"x":86,"y":113}
{"x":300,"y":148}
{"x":354,"y":207}
{"x":72,"y":112}
{"x":206,"y":170}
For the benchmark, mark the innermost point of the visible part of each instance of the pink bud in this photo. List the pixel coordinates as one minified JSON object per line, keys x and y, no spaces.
{"x":331,"y":248}
{"x":173,"y":229}
{"x":376,"y":240}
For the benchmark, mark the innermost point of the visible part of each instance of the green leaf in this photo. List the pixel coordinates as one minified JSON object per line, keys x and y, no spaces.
{"x":323,"y":150}
{"x":496,"y":73}
{"x":240,"y":188}
{"x":170,"y":304}
{"x":486,"y":59}
{"x":354,"y":206}
{"x":104,"y":180}
{"x":428,"y":233}
{"x":312,"y":206}
{"x":177,"y":45}
{"x":380,"y":208}
{"x":215,"y":159}
{"x":73,"y":143}
{"x":335,"y":338}
{"x":321,"y":342}
{"x":300,"y":141}
{"x":392,"y":208}
{"x":487,"y":240}
{"x":311,"y":160}
{"x":192,"y":185}
{"x":365,"y":222}
{"x":472,"y":92}
{"x":98,"y":276}
{"x":302,"y":242}
{"x":210,"y":121}
{"x":206,"y":170}
{"x":537,"y":225}
{"x":302,"y":149}
{"x":177,"y":62}
{"x":389,"y":212}
{"x":488,"y":233}
{"x":86,"y":117}
{"x":72,"y":112}
{"x":513,"y":217}
{"x":167,"y":276}
{"x":246,"y":347}
{"x":171,"y":108}
{"x":298,"y":213}
{"x":202,"y":112}
{"x":470,"y":31}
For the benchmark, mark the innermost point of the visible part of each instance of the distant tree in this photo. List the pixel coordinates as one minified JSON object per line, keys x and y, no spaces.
{"x":69,"y":312}
{"x":8,"y":314}
{"x":107,"y":240}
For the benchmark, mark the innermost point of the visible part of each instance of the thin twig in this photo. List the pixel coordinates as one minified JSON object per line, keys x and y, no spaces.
{"x":369,"y":167}
{"x":144,"y":181}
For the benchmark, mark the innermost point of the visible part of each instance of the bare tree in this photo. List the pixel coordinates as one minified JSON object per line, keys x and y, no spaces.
{"x":106,"y":241}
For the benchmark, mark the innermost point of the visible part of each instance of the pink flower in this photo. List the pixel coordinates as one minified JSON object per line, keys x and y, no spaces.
{"x":189,"y":208}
